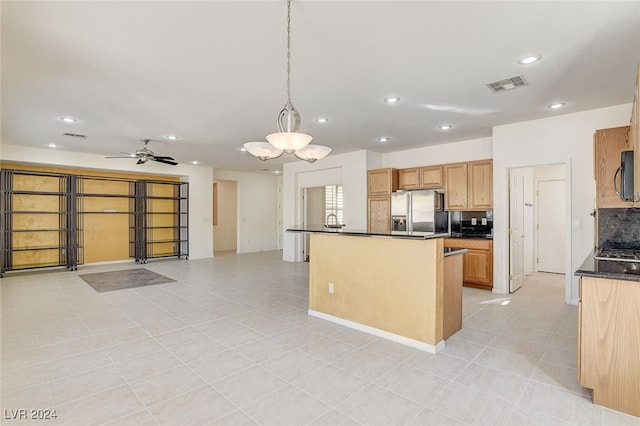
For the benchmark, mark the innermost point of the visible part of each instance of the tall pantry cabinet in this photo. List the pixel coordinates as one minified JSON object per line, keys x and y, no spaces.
{"x":380,"y":184}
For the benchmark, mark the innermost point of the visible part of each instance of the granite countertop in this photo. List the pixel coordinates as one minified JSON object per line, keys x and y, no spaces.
{"x":609,"y":269}
{"x":320,"y":229}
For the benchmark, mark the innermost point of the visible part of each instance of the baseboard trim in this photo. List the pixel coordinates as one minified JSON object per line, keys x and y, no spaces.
{"x":380,"y":333}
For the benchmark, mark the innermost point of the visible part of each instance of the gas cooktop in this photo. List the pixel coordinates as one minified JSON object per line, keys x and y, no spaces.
{"x":618,"y":255}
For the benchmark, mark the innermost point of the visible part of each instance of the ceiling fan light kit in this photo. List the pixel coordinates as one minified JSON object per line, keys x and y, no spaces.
{"x":144,"y":154}
{"x":287,"y":139}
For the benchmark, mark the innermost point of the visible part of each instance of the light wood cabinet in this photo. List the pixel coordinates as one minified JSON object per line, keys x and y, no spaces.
{"x":608,"y":342}
{"x":379,"y":214}
{"x":382,"y":181}
{"x":480,"y":185}
{"x":452,"y":295}
{"x":469,"y":186}
{"x":380,"y":184}
{"x":431,"y":177}
{"x":409,"y":178}
{"x":477,"y":267}
{"x":455,"y":186}
{"x":607,"y":146}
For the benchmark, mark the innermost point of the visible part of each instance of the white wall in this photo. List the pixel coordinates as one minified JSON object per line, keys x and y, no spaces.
{"x":200,"y":184}
{"x":348,"y":170}
{"x":470,"y":150}
{"x":257,"y":209}
{"x":566,"y":139}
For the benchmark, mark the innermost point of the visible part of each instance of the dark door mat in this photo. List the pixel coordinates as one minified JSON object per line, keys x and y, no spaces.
{"x":120,"y":280}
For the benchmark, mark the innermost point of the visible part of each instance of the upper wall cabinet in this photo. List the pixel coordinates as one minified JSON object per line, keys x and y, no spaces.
{"x":409,"y":178}
{"x":634,"y":135}
{"x":469,"y":186}
{"x":607,"y":146}
{"x":455,"y":184}
{"x":481,"y":185}
{"x":382,"y":181}
{"x":431,"y":177}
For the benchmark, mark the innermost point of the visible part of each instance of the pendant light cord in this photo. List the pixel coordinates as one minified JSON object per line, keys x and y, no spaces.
{"x":289,"y":52}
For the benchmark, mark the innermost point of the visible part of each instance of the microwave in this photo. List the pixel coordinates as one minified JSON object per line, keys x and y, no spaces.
{"x":626,"y":177}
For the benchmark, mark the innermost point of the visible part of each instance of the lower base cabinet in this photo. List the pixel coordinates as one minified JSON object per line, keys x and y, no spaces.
{"x":477,"y":262}
{"x":608,"y":342}
{"x":379,"y":215}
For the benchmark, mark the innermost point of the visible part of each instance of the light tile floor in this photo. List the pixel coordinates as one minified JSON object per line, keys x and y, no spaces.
{"x":230,"y":343}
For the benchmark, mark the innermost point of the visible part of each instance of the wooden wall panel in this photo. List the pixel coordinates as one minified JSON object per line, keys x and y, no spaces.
{"x":106,"y":237}
{"x":38,"y":258}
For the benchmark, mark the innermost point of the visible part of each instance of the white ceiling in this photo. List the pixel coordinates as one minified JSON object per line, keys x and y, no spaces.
{"x":214,"y":72}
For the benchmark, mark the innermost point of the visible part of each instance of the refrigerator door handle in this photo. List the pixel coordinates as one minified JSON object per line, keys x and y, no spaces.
{"x":409,"y":213}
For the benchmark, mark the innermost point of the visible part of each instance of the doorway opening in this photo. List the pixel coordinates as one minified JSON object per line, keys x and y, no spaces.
{"x":321,"y":205}
{"x":539,"y":225}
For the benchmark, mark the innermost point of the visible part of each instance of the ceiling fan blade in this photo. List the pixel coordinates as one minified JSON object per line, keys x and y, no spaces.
{"x":165,"y":160}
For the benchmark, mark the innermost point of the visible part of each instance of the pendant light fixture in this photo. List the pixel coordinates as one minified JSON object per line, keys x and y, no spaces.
{"x":287,"y":139}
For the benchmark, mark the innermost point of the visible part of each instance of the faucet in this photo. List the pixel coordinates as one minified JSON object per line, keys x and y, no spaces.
{"x":335,"y":220}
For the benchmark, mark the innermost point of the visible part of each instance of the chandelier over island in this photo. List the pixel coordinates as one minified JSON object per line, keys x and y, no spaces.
{"x":287,"y":139}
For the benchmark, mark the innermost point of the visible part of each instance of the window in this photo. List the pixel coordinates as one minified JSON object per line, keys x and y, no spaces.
{"x":333,"y":203}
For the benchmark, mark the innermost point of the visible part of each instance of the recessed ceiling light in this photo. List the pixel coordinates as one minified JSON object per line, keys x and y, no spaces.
{"x":445,"y":127}
{"x":322,"y":120}
{"x":384,"y":139}
{"x":242,"y":149}
{"x":172,"y":137}
{"x":52,"y":145}
{"x":392,"y":99}
{"x":68,"y":119}
{"x":557,"y":105}
{"x":526,"y":60}
{"x":195,"y":162}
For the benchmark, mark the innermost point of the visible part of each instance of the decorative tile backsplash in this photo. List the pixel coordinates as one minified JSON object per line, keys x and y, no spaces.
{"x":619,"y":228}
{"x":472,"y":223}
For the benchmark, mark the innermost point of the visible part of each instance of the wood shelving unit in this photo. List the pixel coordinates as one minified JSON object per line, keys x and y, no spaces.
{"x":39,"y":227}
{"x":105,"y":206}
{"x":59,"y":219}
{"x":161,"y":222}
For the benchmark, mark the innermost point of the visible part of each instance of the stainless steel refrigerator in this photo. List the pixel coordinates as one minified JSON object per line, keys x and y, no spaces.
{"x":418,"y":211}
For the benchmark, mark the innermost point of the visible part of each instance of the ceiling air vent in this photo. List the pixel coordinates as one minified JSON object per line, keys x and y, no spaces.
{"x":75,"y":135}
{"x":507,"y":84}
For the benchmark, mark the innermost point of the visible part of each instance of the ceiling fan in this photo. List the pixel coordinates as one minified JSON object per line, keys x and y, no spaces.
{"x":144,"y":154}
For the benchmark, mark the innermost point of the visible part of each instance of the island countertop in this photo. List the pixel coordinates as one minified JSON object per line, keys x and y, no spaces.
{"x":321,"y":229}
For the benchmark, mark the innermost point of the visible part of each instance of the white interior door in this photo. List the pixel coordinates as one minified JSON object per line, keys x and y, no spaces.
{"x":516,"y":232}
{"x":551,"y":232}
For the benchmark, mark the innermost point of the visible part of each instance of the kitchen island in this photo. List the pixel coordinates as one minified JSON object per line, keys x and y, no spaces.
{"x":608,"y":333}
{"x":392,"y":286}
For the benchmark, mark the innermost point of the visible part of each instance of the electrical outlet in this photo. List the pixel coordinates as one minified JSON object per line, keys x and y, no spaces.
{"x":330,"y":288}
{"x":484,"y":221}
{"x":474,"y":221}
